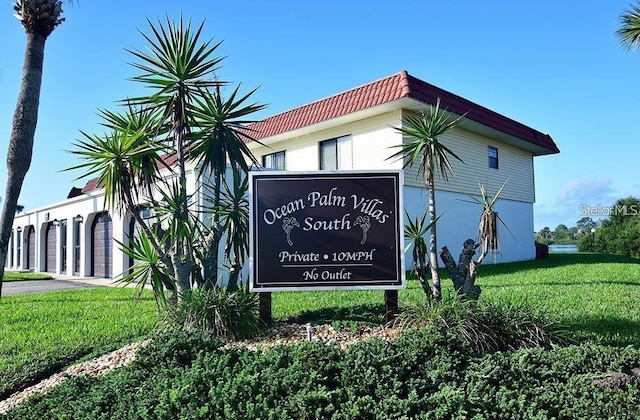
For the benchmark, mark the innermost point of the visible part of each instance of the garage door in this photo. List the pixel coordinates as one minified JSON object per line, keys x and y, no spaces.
{"x":31,"y":248}
{"x":102,"y":245}
{"x":50,"y":251}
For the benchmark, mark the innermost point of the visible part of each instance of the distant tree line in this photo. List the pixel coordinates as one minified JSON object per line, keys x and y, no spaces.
{"x":619,"y":233}
{"x":567,"y":235}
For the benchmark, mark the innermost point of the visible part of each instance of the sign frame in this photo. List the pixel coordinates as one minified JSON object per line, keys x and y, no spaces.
{"x":351,"y":180}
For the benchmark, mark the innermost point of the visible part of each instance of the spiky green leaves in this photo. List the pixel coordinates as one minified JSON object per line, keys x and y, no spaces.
{"x":488,"y":227}
{"x":177,"y":66}
{"x":629,"y":31}
{"x":423,"y":146}
{"x":414,"y":231}
{"x":222,"y":134}
{"x":148,"y":269}
{"x":120,"y":159}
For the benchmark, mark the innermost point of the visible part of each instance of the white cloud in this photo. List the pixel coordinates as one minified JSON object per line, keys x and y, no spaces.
{"x":573,"y":198}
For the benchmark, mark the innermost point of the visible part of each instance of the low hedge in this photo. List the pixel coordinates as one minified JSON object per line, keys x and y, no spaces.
{"x":426,"y":374}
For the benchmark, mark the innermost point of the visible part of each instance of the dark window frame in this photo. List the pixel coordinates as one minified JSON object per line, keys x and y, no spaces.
{"x":63,"y":246}
{"x":274,"y":159}
{"x":494,"y":161}
{"x":326,"y":144}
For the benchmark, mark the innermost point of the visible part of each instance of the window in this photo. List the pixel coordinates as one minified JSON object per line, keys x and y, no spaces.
{"x":19,"y":248}
{"x":77,"y":226}
{"x":329,"y":154}
{"x":336,"y":153}
{"x":274,"y":160}
{"x":63,"y":246}
{"x":11,"y":245}
{"x":493,"y":157}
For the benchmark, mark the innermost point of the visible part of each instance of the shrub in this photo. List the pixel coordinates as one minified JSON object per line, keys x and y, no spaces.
{"x":223,"y":313}
{"x":487,"y":325}
{"x":427,"y":374}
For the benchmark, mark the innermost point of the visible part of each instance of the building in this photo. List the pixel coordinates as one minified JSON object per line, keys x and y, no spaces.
{"x":352,"y":130}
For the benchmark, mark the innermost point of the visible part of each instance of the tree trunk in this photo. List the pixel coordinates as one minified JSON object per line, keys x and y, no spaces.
{"x":183,"y":275}
{"x":23,"y":130}
{"x":212,"y":245}
{"x":463,"y":274}
{"x":436,"y":288}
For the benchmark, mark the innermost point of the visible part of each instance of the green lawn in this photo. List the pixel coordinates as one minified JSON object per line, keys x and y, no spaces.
{"x":593,"y":294}
{"x":39,"y":333}
{"x":19,"y":276}
{"x":596,"y":295}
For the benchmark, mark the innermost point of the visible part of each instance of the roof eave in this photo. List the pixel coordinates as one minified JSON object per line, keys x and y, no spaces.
{"x":473,"y":126}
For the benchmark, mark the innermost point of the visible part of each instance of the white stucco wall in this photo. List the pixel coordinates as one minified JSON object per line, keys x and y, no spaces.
{"x":371,"y":142}
{"x":87,"y":206}
{"x":460,"y":220}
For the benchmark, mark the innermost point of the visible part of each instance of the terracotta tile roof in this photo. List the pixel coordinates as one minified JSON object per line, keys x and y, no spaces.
{"x":169,"y":160}
{"x":75,"y":192}
{"x":391,"y":88}
{"x":91,"y":185}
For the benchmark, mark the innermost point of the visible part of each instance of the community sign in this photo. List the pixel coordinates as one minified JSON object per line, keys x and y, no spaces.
{"x":326,"y":230}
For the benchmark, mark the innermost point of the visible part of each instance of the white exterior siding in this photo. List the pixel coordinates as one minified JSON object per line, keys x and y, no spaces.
{"x":460,"y":220}
{"x":514,"y":164}
{"x":371,"y":144}
{"x":364,"y":120}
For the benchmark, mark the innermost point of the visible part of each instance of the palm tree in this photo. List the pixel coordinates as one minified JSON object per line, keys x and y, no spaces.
{"x":629,"y":31}
{"x":176,"y":67}
{"x":186,"y":118}
{"x":39,"y":18}
{"x":222,"y":138}
{"x":425,"y":149}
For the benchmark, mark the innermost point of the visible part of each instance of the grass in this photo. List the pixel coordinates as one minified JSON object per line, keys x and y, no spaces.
{"x":595,"y":295}
{"x":20,"y":276}
{"x":40,"y":333}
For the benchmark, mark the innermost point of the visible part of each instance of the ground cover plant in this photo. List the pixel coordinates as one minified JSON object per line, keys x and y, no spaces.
{"x":427,"y":374}
{"x":40,"y":333}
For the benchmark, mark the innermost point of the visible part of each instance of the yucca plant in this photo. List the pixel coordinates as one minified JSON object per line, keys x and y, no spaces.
{"x":423,"y":148}
{"x":184,"y":117}
{"x":487,"y":237}
{"x":149,"y":269}
{"x":221,"y":138}
{"x":464,"y":272}
{"x":414,"y":231}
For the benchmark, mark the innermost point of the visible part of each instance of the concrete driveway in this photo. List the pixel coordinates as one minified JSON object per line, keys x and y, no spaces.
{"x":59,"y":283}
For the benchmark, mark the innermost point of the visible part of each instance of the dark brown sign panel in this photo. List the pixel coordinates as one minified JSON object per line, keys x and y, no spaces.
{"x":326,"y":230}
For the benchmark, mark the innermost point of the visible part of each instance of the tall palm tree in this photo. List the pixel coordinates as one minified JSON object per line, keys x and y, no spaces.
{"x":629,"y":31}
{"x":177,"y":67}
{"x":186,"y":116}
{"x":424,"y":148}
{"x":39,"y":18}
{"x":222,"y":138}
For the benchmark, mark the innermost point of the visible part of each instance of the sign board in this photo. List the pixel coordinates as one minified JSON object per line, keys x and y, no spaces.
{"x":326,"y":230}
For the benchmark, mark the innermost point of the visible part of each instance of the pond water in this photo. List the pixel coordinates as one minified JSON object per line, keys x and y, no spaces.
{"x":563,"y":248}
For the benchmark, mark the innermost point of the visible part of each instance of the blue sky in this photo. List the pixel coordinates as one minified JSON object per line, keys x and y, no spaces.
{"x":555,"y":66}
